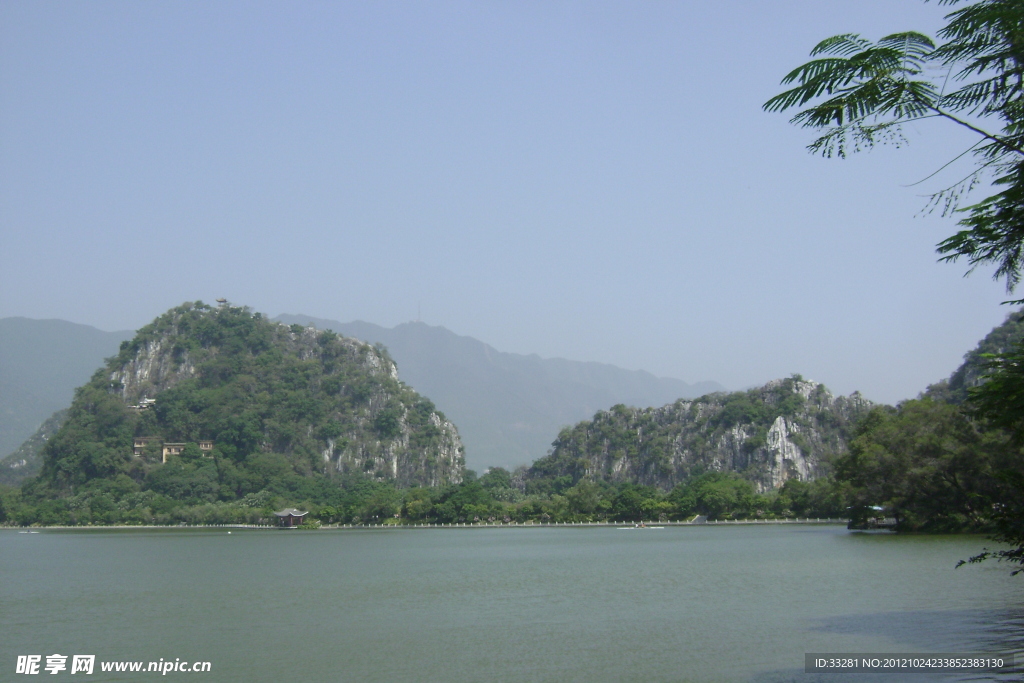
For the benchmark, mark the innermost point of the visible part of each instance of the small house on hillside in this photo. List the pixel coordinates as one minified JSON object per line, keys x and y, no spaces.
{"x":289,"y":518}
{"x":140,"y":442}
{"x":177,"y":448}
{"x":173,"y":449}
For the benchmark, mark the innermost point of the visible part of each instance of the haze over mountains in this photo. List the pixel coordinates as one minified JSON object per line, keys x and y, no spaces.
{"x":508,"y":407}
{"x":41,"y":364}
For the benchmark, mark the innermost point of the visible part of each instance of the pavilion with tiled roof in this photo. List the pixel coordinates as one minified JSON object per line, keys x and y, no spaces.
{"x":289,"y":518}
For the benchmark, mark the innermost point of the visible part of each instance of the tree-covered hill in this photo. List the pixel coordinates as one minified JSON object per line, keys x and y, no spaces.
{"x":785,"y":430}
{"x":288,"y":409}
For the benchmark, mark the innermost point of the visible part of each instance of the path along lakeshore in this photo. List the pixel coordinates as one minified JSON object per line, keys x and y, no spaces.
{"x":456,"y":525}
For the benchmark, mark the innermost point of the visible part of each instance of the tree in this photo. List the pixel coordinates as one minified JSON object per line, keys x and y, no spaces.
{"x":714,"y":494}
{"x":999,"y":402}
{"x":191,"y":452}
{"x":870,"y":89}
{"x":859,"y":93}
{"x":927,"y":464}
{"x":496,"y":478}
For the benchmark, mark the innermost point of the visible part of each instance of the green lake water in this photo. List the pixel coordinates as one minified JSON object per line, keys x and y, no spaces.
{"x":714,"y":603}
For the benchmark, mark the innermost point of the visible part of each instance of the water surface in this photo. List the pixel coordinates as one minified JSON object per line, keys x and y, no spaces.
{"x":698,"y":604}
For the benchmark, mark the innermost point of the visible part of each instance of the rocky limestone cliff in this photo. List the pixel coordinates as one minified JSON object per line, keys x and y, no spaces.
{"x":326,"y":403}
{"x":787,"y":429}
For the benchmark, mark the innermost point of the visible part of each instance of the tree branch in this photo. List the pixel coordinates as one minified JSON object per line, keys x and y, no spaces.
{"x":979,"y":131}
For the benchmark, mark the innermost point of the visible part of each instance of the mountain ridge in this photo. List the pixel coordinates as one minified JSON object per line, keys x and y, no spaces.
{"x":532,"y":397}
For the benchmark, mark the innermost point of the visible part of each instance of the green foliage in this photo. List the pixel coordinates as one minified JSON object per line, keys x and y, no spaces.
{"x":860,"y":93}
{"x":998,"y":402}
{"x":871,"y":88}
{"x":186,"y":493}
{"x":496,"y":478}
{"x":388,"y":422}
{"x":715,"y":494}
{"x":185,"y":481}
{"x":941,"y":471}
{"x":6,"y":493}
{"x":753,"y":443}
{"x":928,"y":465}
{"x":276,"y":402}
{"x":819,"y":498}
{"x":1002,"y":339}
{"x":664,"y":446}
{"x":740,"y":408}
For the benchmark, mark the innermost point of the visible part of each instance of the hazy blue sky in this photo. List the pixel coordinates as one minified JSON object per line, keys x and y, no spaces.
{"x":589,"y":180}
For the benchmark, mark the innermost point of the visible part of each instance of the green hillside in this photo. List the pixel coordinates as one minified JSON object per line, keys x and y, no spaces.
{"x":785,"y":430}
{"x":290,"y":411}
{"x":937,"y":463}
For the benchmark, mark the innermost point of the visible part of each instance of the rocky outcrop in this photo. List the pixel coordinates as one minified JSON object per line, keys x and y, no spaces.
{"x":787,"y":429}
{"x":329,"y":404}
{"x":151,"y":370}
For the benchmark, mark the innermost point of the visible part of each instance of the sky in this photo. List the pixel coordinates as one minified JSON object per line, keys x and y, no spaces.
{"x":588,"y":180}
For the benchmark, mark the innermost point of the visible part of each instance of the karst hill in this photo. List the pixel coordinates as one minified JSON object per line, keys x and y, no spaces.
{"x":215,"y":403}
{"x":787,"y":429}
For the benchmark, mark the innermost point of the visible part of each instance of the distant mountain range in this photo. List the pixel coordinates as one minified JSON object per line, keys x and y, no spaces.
{"x":508,"y":407}
{"x":41,"y":364}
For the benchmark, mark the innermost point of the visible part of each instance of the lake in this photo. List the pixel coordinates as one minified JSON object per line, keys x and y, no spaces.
{"x":699,"y":603}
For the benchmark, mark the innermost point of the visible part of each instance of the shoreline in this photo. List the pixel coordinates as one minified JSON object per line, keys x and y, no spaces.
{"x":456,"y":525}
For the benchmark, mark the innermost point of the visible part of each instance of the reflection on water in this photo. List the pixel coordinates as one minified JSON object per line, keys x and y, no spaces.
{"x":694,"y":604}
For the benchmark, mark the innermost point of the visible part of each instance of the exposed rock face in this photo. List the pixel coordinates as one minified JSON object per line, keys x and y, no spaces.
{"x":328,"y":403}
{"x":787,"y":460}
{"x":151,"y":370}
{"x":786,"y":429}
